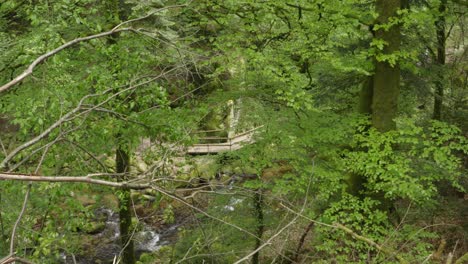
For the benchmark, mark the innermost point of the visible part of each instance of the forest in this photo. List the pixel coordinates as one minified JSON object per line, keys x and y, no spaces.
{"x":233,"y":131}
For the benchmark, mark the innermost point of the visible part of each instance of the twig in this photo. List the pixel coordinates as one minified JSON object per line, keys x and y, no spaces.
{"x":45,"y":133}
{"x":3,"y":147}
{"x":18,"y":220}
{"x":395,"y":230}
{"x":268,"y":242}
{"x":87,"y":152}
{"x":462,"y":259}
{"x":183,"y":201}
{"x":13,"y":259}
{"x":370,"y":242}
{"x":352,"y":233}
{"x":286,"y":226}
{"x":7,"y":259}
{"x":71,"y":115}
{"x":148,"y":15}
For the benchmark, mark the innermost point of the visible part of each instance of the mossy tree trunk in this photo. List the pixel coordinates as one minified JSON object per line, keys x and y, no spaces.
{"x":365,"y":96}
{"x":379,"y":93}
{"x":356,"y":180}
{"x":440,"y":61}
{"x":386,"y":81}
{"x":122,"y":162}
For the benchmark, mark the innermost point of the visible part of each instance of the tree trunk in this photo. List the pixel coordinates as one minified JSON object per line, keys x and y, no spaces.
{"x":440,"y":61}
{"x":386,"y":81}
{"x":122,"y":166}
{"x":295,"y":258}
{"x":258,"y":203}
{"x":356,"y":181}
{"x":365,"y":96}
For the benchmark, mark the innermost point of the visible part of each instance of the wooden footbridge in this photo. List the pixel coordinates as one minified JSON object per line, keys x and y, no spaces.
{"x":229,"y":143}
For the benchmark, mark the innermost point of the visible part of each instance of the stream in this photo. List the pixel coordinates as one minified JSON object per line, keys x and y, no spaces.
{"x":105,"y":244}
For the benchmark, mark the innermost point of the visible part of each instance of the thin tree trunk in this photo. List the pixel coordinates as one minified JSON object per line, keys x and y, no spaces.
{"x":2,"y":227}
{"x":440,"y":61}
{"x":258,"y":204}
{"x":295,"y":258}
{"x":125,"y":214}
{"x":122,"y":166}
{"x":387,"y":75}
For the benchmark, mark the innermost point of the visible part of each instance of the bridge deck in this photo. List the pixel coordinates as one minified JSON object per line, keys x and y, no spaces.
{"x":233,"y":143}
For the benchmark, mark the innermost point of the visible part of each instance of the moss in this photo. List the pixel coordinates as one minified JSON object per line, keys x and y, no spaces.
{"x":95,"y":228}
{"x":386,"y":81}
{"x":86,"y":199}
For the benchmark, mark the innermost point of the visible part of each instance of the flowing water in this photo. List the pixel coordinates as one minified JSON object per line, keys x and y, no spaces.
{"x":106,"y":243}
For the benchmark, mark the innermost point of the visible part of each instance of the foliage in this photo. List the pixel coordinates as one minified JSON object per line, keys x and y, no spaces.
{"x":295,"y":69}
{"x":409,"y":162}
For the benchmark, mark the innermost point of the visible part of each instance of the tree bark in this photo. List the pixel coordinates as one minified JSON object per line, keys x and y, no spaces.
{"x":296,"y":255}
{"x":440,"y":61}
{"x":123,"y":165}
{"x":386,"y":81}
{"x":258,"y":204}
{"x":365,"y":96}
{"x":122,"y":162}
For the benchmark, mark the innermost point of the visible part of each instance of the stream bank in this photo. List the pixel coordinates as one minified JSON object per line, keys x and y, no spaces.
{"x":102,"y":244}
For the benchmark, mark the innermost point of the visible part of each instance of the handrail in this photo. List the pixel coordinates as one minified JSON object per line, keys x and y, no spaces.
{"x":208,"y":138}
{"x":235,"y":136}
{"x":247,"y":132}
{"x":207,"y":131}
{"x":232,"y":143}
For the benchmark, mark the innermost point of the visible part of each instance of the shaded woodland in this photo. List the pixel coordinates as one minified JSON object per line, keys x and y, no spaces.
{"x":223,"y":131}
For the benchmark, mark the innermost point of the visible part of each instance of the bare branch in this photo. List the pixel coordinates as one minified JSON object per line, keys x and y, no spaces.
{"x":75,"y":113}
{"x":43,"y":57}
{"x":83,"y":179}
{"x":462,"y":259}
{"x":18,"y":220}
{"x":183,"y":201}
{"x":148,"y":15}
{"x":51,"y":53}
{"x":268,"y":242}
{"x":3,"y":147}
{"x":370,"y":242}
{"x":13,"y":259}
{"x":98,"y":161}
{"x":44,"y":134}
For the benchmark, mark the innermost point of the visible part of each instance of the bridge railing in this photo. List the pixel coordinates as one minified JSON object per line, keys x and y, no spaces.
{"x":226,"y":143}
